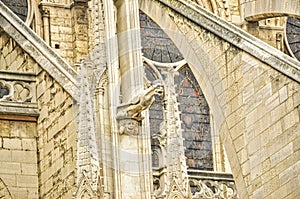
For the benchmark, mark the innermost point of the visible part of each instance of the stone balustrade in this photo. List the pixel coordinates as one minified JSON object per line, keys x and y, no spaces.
{"x":18,"y":93}
{"x":208,"y":184}
{"x":203,"y":184}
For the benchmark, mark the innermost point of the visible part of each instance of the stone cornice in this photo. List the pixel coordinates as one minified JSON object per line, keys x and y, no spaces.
{"x":236,"y":36}
{"x":48,"y":59}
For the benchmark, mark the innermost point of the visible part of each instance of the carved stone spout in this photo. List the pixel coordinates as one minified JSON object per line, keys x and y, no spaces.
{"x":140,"y":102}
{"x":129,"y":114}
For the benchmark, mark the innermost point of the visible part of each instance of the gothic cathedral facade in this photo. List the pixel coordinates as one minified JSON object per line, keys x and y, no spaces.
{"x":149,"y":99}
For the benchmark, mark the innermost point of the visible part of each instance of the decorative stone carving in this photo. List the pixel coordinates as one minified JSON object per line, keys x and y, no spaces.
{"x":129,"y":115}
{"x":176,"y":192}
{"x":213,"y":189}
{"x":88,"y":168}
{"x":129,"y":126}
{"x":15,"y":91}
{"x":161,"y":136}
{"x":140,"y":102}
{"x":85,"y":190}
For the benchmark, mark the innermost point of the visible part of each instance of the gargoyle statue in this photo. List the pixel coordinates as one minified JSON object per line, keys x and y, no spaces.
{"x":140,"y":102}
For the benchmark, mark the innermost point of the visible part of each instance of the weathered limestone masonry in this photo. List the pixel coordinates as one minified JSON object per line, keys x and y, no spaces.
{"x":18,"y":144}
{"x":57,"y":132}
{"x":252,"y":90}
{"x":18,"y":158}
{"x":66,"y":28}
{"x":73,"y":105}
{"x":52,"y":155}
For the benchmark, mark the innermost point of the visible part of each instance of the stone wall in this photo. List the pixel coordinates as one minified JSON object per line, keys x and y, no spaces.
{"x":252,"y":95}
{"x":56,"y":129}
{"x":12,"y":56}
{"x":67,"y":29}
{"x":18,"y":145}
{"x":18,"y":158}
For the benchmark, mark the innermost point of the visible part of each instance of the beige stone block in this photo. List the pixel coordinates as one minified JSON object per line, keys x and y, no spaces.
{"x":280,"y":192}
{"x":296,"y":144}
{"x":266,"y":165}
{"x":5,"y":155}
{"x":296,"y":99}
{"x":271,"y":186}
{"x":272,"y":102}
{"x":12,"y":143}
{"x":291,"y":119}
{"x":262,"y":125}
{"x":246,"y":168}
{"x":27,"y":181}
{"x":235,"y":117}
{"x":17,"y":128}
{"x":18,"y":192}
{"x":254,"y":145}
{"x":5,"y":128}
{"x":278,"y":112}
{"x":281,"y":154}
{"x":24,"y":156}
{"x":10,"y":168}
{"x":275,"y":130}
{"x":239,"y":143}
{"x":256,"y":171}
{"x":29,"y":169}
{"x":33,"y":193}
{"x":29,"y":144}
{"x":257,"y":158}
{"x":9,"y":179}
{"x":283,"y":94}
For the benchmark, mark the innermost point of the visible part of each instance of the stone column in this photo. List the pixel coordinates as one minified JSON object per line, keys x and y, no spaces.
{"x":46,"y":25}
{"x":133,"y":157}
{"x":130,"y":56}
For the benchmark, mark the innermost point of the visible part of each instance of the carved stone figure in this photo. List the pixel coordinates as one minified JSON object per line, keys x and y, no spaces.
{"x":140,"y":102}
{"x":129,"y":126}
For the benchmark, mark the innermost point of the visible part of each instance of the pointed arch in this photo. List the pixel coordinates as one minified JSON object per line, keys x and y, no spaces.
{"x":195,"y":119}
{"x":204,"y":65}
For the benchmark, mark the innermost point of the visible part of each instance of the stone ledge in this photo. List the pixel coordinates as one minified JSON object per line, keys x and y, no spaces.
{"x":18,"y":109}
{"x":236,"y":36}
{"x":19,"y":76}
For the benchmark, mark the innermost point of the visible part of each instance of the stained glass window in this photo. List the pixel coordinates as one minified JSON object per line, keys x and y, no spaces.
{"x":156,"y":44}
{"x":195,"y":121}
{"x":293,"y":36}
